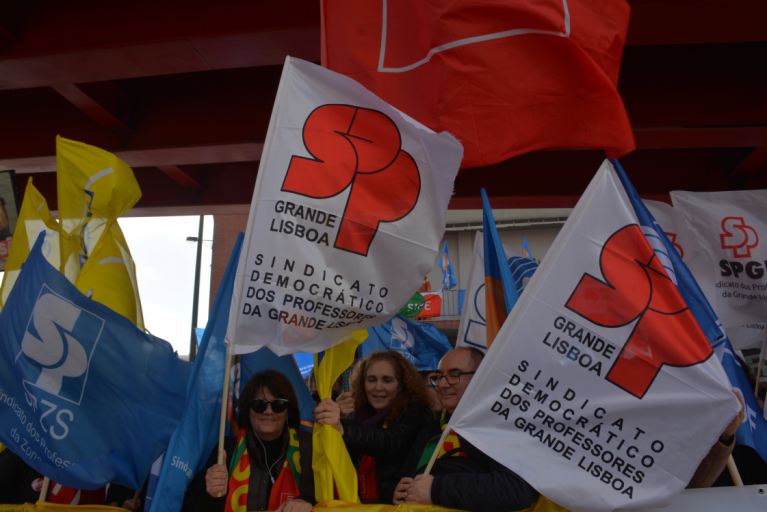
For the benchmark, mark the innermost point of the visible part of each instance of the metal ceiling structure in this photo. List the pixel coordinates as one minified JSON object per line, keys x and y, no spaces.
{"x":183,"y":91}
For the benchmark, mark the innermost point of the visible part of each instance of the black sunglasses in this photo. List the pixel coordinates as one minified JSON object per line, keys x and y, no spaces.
{"x":278,"y":405}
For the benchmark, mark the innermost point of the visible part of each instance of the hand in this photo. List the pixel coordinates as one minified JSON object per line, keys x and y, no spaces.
{"x":346,"y":402}
{"x":420,"y":490}
{"x":131,"y":504}
{"x":400,"y":493}
{"x":328,"y":412}
{"x":735,"y":423}
{"x":295,"y":506}
{"x":217,"y":480}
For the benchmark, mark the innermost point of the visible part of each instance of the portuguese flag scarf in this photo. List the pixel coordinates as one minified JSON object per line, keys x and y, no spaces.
{"x":285,"y":487}
{"x":451,"y":444}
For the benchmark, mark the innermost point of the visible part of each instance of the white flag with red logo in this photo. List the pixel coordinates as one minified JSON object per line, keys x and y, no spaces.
{"x":732,"y":227}
{"x":600,"y":389}
{"x":346,"y":219}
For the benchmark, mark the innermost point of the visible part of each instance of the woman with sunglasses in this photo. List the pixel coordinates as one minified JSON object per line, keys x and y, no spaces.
{"x":392,"y":406}
{"x":268,"y":466}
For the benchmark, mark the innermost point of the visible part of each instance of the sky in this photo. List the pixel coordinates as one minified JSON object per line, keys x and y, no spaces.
{"x":165,"y":264}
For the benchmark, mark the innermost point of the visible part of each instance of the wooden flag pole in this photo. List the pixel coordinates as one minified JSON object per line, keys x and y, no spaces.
{"x":224,"y":407}
{"x":44,"y":489}
{"x":736,"y":480}
{"x":436,"y":450}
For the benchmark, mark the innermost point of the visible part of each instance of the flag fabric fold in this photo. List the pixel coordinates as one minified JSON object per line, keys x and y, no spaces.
{"x":504,"y":77}
{"x":500,"y":290}
{"x":90,"y":398}
{"x":331,"y":462}
{"x":197,"y":434}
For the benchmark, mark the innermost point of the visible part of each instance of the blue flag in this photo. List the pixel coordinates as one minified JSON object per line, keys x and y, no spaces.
{"x":265,"y":359}
{"x":500,"y":290}
{"x":197,"y":435}
{"x":753,"y":431}
{"x":86,"y":398}
{"x":448,"y":276}
{"x":305,"y":363}
{"x":526,"y":248}
{"x":420,"y":343}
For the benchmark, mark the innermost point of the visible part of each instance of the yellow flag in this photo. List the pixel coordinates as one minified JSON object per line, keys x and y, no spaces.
{"x":543,"y":504}
{"x":35,"y":218}
{"x":109,"y":275}
{"x":42,"y":506}
{"x":94,"y":189}
{"x":2,"y":447}
{"x":330,"y":457}
{"x":92,"y":184}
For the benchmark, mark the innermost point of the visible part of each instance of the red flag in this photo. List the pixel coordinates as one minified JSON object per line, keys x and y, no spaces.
{"x":504,"y":76}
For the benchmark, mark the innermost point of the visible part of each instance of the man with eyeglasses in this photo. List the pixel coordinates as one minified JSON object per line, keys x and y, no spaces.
{"x":463,"y":477}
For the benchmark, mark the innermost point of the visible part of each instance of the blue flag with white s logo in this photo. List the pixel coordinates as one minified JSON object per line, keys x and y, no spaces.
{"x":86,"y":398}
{"x":197,"y":434}
{"x":420,"y":343}
{"x":753,"y":431}
{"x":448,"y":276}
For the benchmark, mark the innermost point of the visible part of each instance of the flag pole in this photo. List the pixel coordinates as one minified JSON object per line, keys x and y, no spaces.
{"x":734,"y":474}
{"x":436,"y":450}
{"x":44,"y":489}
{"x":761,"y":363}
{"x":224,"y":406}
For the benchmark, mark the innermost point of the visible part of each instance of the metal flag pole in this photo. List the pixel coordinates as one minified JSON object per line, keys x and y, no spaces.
{"x":224,"y":406}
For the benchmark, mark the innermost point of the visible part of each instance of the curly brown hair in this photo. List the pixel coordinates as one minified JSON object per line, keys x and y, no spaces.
{"x":412,"y":389}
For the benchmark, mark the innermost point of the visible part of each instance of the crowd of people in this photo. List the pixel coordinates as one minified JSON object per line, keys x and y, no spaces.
{"x":391,"y":422}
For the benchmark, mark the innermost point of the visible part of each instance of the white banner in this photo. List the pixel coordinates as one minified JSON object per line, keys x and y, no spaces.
{"x":600,"y":389}
{"x":471,"y":328}
{"x":347,"y":215}
{"x":730,"y":225}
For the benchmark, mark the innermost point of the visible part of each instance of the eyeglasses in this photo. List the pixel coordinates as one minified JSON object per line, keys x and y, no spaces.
{"x":452,"y":378}
{"x":278,"y":405}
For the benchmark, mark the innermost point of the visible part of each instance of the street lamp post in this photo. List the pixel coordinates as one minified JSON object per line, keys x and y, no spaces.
{"x":196,"y":300}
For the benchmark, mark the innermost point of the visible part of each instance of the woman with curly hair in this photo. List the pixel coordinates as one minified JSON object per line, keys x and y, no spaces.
{"x":392,"y":406}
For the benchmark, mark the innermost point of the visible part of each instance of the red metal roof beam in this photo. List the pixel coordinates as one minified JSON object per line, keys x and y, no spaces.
{"x":90,"y":107}
{"x":753,"y":162}
{"x":179,"y":176}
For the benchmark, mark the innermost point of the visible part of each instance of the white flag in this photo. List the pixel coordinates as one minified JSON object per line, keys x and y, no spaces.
{"x":730,"y":225}
{"x":600,"y":389}
{"x":689,"y":246}
{"x":471,"y":328}
{"x":347,"y":215}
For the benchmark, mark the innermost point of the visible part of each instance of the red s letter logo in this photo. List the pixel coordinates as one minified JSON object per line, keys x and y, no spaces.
{"x":361,"y":148}
{"x":738,"y":236}
{"x":636,"y":286}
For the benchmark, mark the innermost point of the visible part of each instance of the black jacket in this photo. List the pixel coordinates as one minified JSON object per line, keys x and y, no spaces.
{"x":197,"y":498}
{"x":388,"y":446}
{"x":475,"y":482}
{"x":17,"y":478}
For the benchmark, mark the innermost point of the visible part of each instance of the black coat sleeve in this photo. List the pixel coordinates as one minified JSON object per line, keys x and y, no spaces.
{"x":497,"y":490}
{"x":382,"y":442}
{"x":410,"y":465}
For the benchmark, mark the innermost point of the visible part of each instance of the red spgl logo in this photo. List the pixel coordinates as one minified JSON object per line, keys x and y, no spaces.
{"x":360,"y":149}
{"x":738,"y":236}
{"x":634,"y":286}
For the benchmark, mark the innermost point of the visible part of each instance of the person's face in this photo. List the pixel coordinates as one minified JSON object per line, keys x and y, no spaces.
{"x":454,"y":362}
{"x":267,"y":425}
{"x":381,"y":384}
{"x":434,"y":398}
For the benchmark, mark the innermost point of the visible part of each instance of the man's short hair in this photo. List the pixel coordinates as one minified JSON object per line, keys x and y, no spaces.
{"x":475,"y":356}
